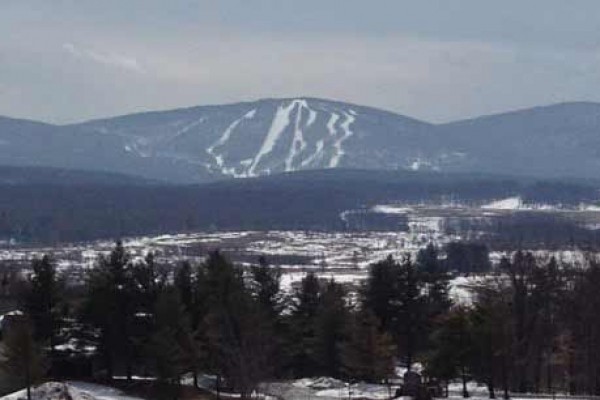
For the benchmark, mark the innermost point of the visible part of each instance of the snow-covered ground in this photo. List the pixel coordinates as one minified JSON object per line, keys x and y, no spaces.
{"x":511,"y":203}
{"x":343,"y":255}
{"x":72,"y":390}
{"x":325,"y":388}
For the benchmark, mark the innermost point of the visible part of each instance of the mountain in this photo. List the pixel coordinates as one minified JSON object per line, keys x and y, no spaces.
{"x":561,"y":140}
{"x":268,"y":136}
{"x":209,"y":143}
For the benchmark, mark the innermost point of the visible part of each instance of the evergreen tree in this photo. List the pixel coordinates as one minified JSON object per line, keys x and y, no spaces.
{"x":394,"y":293}
{"x":22,"y":358}
{"x":453,"y":348}
{"x":41,"y":301}
{"x":331,"y":326}
{"x":301,"y":332}
{"x":368,"y":354}
{"x":183,"y":283}
{"x":493,"y":337}
{"x":585,"y":328}
{"x":466,"y":257}
{"x":410,"y":312}
{"x":169,"y":346}
{"x":437,"y":288}
{"x":111,"y":307}
{"x":428,"y":262}
{"x":379,"y":291}
{"x":266,"y":287}
{"x":148,"y":283}
{"x":239,"y":335}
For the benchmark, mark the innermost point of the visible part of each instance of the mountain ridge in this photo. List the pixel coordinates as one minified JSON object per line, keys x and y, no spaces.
{"x":267,"y":136}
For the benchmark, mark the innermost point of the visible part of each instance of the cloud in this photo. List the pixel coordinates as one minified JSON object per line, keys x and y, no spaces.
{"x":108,"y":73}
{"x":107,"y":58}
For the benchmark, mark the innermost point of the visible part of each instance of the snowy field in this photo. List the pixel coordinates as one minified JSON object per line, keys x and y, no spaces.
{"x":71,"y":390}
{"x":343,"y":256}
{"x":318,"y":388}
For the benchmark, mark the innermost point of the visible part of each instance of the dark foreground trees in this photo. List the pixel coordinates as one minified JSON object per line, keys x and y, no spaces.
{"x":22,"y":358}
{"x":531,"y":325}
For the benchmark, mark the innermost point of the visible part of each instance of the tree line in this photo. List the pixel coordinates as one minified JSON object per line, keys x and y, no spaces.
{"x":529,"y":325}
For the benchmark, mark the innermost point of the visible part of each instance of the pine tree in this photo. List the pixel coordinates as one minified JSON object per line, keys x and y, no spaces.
{"x":436,"y":289}
{"x":410,"y":312}
{"x":148,"y":282}
{"x":493,"y":337}
{"x":368,"y":354}
{"x":266,"y":287}
{"x":239,"y":335}
{"x":183,"y":283}
{"x":111,"y":307}
{"x":301,"y":331}
{"x":41,"y":301}
{"x":22,"y":358}
{"x":379,"y":291}
{"x":331,"y":326}
{"x":394,"y":294}
{"x":169,"y":346}
{"x":427,"y":260}
{"x":453,"y":348}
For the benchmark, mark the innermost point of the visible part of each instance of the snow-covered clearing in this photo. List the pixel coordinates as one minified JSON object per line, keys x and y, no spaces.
{"x":511,"y":203}
{"x":339,"y":150}
{"x":298,"y":143}
{"x":280,"y":122}
{"x":72,"y":390}
{"x":222,"y":140}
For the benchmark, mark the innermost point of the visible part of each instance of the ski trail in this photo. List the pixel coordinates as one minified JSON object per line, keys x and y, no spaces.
{"x":332,"y":129}
{"x":331,"y":124}
{"x":183,"y":130}
{"x":225,"y":137}
{"x":318,"y":152}
{"x":339,"y":151}
{"x":280,"y":122}
{"x":298,"y":142}
{"x":312,"y":117}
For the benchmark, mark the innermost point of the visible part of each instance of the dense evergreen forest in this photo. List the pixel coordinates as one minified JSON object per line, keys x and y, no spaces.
{"x":62,"y":206}
{"x":529,"y":325}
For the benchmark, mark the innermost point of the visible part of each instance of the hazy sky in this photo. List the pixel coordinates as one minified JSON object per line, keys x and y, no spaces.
{"x":437,"y":60}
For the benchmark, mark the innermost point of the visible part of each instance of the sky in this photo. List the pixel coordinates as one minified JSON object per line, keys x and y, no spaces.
{"x":65,"y":61}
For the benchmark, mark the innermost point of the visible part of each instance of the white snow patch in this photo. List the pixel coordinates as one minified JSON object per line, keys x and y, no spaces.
{"x":420,"y":163}
{"x":312,"y":117}
{"x":390,"y":209}
{"x":331,"y":124}
{"x":589,"y":207}
{"x":318,"y":152}
{"x":280,"y":122}
{"x":339,"y":151}
{"x":223,"y":139}
{"x":98,"y":392}
{"x":298,"y":142}
{"x":188,"y":127}
{"x":511,"y":203}
{"x":72,"y":390}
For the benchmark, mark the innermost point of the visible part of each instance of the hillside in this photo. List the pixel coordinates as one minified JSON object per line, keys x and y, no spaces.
{"x":265,"y":137}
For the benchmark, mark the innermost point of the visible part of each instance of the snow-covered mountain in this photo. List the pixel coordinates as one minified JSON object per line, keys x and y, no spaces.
{"x":270,"y":136}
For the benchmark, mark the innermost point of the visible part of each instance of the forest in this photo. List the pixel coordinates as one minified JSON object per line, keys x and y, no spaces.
{"x":38,"y":206}
{"x":529,"y":324}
